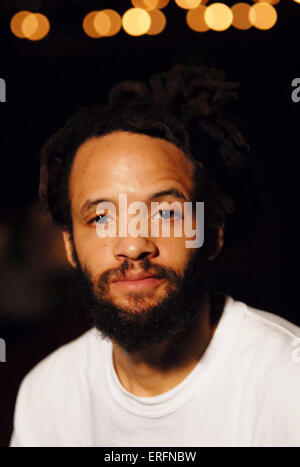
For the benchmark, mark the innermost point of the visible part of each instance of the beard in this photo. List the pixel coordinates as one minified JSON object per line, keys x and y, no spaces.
{"x":140,"y":325}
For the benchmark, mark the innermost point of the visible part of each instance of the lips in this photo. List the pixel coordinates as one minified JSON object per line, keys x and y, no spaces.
{"x":135,"y":276}
{"x":137,"y":281}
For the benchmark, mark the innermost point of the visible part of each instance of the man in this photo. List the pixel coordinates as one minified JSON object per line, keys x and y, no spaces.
{"x":170,"y":362}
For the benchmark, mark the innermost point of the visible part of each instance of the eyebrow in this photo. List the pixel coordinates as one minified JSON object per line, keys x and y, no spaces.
{"x":89,"y":204}
{"x":170,"y":192}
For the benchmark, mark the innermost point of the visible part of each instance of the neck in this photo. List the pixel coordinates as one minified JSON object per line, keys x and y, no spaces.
{"x":162,"y":367}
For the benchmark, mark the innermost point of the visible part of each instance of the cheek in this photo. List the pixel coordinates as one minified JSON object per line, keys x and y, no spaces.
{"x":173,"y":252}
{"x":93,"y":252}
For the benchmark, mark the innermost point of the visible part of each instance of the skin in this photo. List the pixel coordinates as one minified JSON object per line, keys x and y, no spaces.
{"x":138,"y":165}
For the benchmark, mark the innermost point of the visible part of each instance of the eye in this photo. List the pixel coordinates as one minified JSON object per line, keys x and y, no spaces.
{"x":101,"y":219}
{"x":167,"y":214}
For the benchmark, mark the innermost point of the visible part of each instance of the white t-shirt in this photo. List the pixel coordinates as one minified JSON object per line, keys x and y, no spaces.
{"x":245,"y":391}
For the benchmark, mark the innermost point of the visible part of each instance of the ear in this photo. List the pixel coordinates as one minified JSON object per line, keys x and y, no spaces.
{"x":69,"y":248}
{"x":219,"y":242}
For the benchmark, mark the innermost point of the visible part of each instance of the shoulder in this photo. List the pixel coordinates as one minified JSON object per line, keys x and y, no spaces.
{"x":273,"y":338}
{"x":55,"y":389}
{"x":263,"y":328}
{"x":268,"y":360}
{"x":266,"y":351}
{"x":271,"y":323}
{"x":67,"y":363}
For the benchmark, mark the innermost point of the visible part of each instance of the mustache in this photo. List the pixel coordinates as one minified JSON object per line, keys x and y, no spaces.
{"x":144,"y":265}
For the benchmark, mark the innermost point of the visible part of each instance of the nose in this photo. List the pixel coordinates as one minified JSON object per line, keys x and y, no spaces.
{"x":135,"y":248}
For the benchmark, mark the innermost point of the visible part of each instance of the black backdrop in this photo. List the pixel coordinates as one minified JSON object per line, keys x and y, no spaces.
{"x":49,"y":79}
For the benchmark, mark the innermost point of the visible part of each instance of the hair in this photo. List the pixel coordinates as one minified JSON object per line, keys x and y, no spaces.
{"x":194,"y":108}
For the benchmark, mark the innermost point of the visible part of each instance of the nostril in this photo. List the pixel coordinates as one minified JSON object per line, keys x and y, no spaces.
{"x":143,"y":255}
{"x":135,"y":248}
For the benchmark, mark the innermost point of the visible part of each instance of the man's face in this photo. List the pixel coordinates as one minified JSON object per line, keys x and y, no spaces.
{"x":132,"y":275}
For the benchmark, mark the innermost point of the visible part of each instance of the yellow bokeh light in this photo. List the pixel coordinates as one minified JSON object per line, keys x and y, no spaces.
{"x":16,"y":22}
{"x":218,"y":16}
{"x":273,"y":2}
{"x":158,"y":22}
{"x":150,"y":4}
{"x":195,"y":19}
{"x":102,"y":23}
{"x":136,"y":21}
{"x":139,"y":4}
{"x":88,"y":25}
{"x":240,"y":13}
{"x":297,"y":1}
{"x":32,"y":26}
{"x":188,"y":4}
{"x":29,"y":25}
{"x":263,"y":15}
{"x":160,"y":3}
{"x":114,"y":20}
{"x":42,"y":29}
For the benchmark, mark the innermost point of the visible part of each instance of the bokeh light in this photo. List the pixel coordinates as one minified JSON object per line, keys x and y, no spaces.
{"x":136,"y":21}
{"x":115,"y":22}
{"x":42,"y":29}
{"x":139,"y":4}
{"x":102,"y":23}
{"x":88,"y":25}
{"x":188,"y":4}
{"x":240,"y":13}
{"x":16,"y":23}
{"x":195,"y":19}
{"x":218,"y":16}
{"x":159,"y":3}
{"x":150,"y":4}
{"x":29,"y":25}
{"x":263,"y":15}
{"x":273,"y":2}
{"x":158,"y":22}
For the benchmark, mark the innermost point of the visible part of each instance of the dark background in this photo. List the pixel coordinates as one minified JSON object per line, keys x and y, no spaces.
{"x":47,"y":80}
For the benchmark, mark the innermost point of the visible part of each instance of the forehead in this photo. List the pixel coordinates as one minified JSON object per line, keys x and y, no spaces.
{"x":123,"y":162}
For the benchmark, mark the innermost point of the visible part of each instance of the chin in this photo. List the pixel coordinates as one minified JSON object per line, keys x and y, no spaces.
{"x":135,"y":303}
